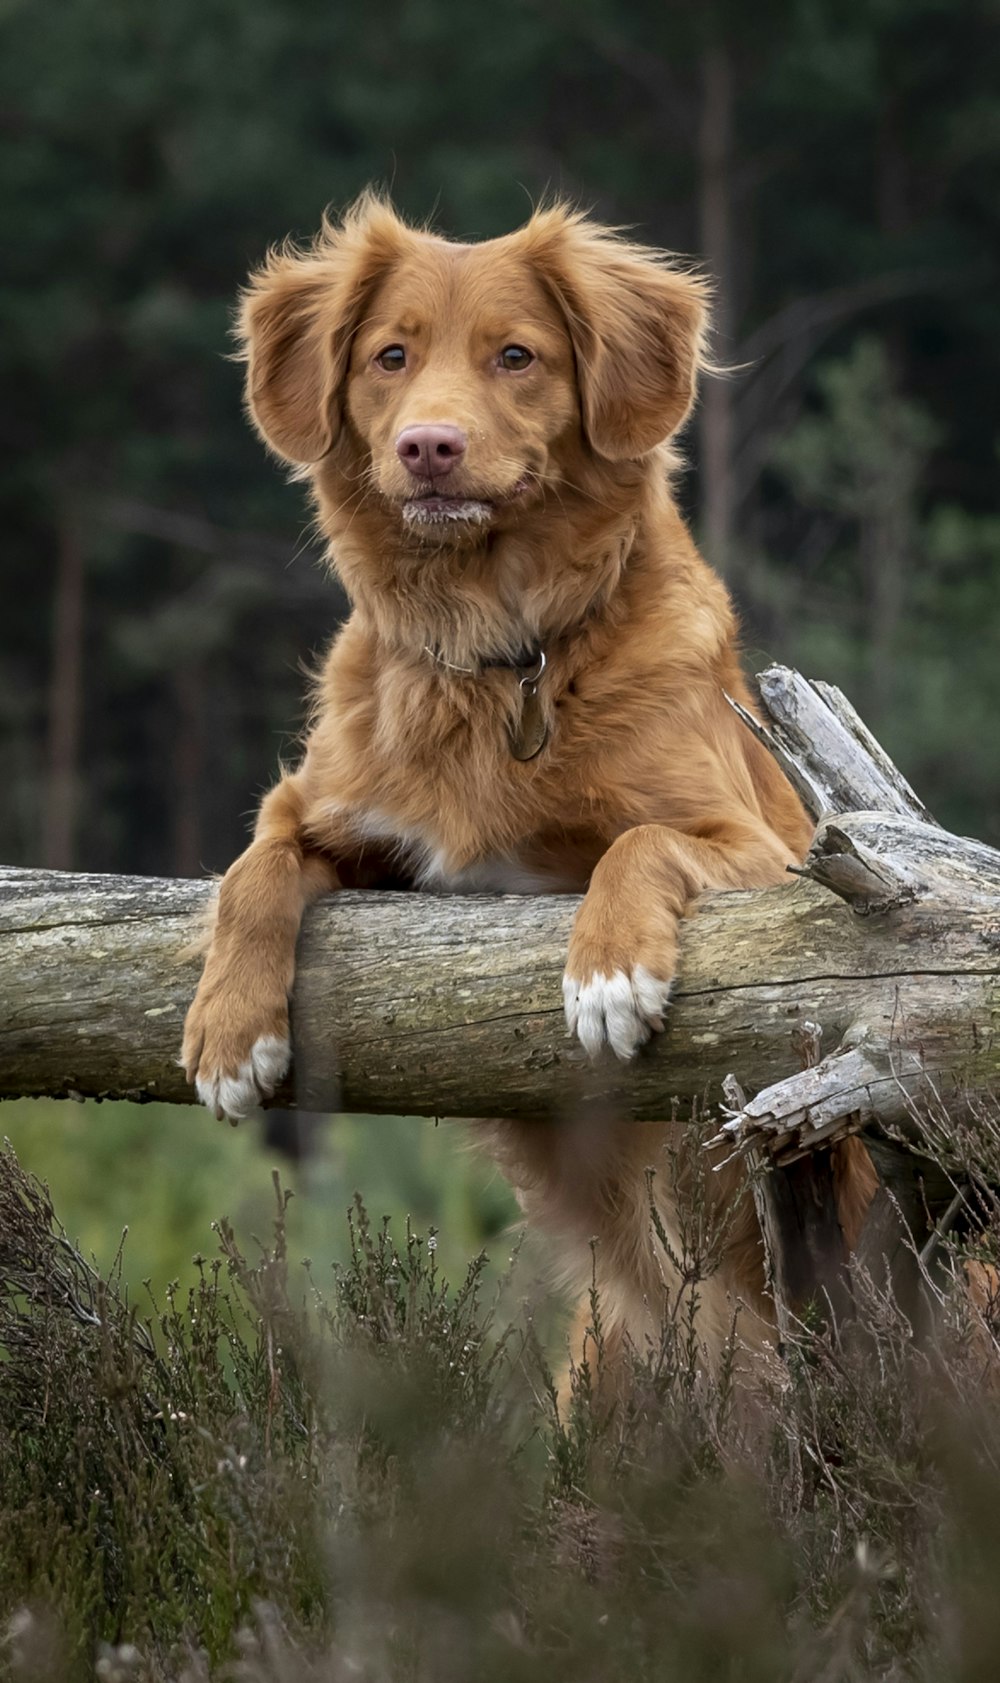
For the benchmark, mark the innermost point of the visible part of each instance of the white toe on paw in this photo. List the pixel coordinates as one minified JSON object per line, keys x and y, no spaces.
{"x":619,"y":1010}
{"x":270,"y":1057}
{"x":652,"y":996}
{"x":236,"y":1095}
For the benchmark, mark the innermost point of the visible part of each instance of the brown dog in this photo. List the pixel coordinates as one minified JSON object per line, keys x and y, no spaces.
{"x":530,"y":694}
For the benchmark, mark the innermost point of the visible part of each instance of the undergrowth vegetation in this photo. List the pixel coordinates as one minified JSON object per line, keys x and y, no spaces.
{"x":275,"y":1479}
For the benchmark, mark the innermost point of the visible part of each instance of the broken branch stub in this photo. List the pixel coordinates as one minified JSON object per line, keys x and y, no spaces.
{"x":913,"y":888}
{"x":853,"y":1087}
{"x":826,"y":751}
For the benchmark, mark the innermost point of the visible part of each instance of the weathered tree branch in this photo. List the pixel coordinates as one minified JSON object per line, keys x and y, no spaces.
{"x":825,"y":750}
{"x":867,"y":988}
{"x":452,"y":1006}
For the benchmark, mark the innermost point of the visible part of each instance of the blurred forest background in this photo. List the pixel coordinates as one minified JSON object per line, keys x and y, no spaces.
{"x":834,"y":163}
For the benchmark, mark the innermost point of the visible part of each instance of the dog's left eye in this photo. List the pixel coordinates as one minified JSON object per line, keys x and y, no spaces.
{"x":514,"y":358}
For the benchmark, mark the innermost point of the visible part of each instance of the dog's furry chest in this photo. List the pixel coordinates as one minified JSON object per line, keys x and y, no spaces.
{"x":427,"y":860}
{"x":417,"y":772}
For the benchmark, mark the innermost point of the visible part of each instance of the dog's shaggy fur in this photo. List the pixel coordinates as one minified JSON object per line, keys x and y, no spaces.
{"x":542,"y":376}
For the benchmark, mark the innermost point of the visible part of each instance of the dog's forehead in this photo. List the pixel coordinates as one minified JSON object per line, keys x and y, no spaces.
{"x":482,"y":286}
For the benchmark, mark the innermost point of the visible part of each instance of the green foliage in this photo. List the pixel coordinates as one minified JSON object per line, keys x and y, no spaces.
{"x":167,"y":1172}
{"x":863,"y":454}
{"x":905,"y":603}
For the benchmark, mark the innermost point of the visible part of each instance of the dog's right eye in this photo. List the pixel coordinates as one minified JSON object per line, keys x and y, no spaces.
{"x":514,"y":358}
{"x":392,"y":359}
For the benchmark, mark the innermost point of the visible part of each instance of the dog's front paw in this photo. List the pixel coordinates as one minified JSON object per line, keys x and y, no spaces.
{"x":620,"y":967}
{"x":620,"y":1010}
{"x":232,"y":1087}
{"x":235,"y":1056}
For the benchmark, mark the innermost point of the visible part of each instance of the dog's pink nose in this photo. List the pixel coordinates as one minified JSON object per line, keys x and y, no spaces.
{"x":431,"y":452}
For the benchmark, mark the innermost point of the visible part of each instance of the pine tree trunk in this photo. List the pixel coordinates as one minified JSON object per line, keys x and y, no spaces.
{"x":65,"y":700}
{"x":715,"y":413}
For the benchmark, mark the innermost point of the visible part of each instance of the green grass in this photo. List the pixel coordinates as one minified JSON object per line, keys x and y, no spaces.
{"x":166,"y":1172}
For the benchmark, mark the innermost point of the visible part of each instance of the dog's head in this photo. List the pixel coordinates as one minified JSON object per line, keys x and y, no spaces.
{"x":459,"y":385}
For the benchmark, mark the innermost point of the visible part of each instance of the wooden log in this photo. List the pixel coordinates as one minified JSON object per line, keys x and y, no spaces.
{"x":452,"y":1006}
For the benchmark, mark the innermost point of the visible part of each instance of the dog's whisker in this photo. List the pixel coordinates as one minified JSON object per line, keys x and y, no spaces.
{"x":573,"y":485}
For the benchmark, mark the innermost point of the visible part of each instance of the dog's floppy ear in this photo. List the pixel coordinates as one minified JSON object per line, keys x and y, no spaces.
{"x":638,"y":325}
{"x":297,"y":317}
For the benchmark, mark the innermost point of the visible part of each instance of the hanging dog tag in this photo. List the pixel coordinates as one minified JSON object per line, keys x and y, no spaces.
{"x":529,"y":733}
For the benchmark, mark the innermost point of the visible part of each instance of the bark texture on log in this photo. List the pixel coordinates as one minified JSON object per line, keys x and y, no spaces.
{"x":410,"y":1003}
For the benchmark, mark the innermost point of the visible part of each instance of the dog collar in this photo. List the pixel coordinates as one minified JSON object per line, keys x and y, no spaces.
{"x":521,"y":662}
{"x":528,"y":734}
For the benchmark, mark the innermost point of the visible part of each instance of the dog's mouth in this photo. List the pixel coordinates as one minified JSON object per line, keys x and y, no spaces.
{"x":431,"y":507}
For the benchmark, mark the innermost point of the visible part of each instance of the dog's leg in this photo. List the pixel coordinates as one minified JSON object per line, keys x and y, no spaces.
{"x":236,"y":1039}
{"x":623,"y":949}
{"x":622,"y":958}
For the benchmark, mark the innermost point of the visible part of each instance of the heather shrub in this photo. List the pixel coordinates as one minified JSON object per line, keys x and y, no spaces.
{"x":276,"y":1477}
